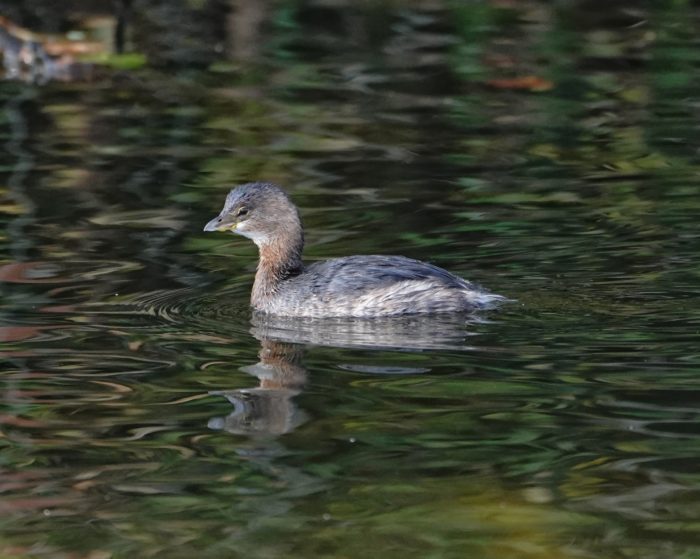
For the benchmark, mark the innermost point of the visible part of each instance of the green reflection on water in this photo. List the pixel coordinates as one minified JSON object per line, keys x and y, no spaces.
{"x":145,"y":413}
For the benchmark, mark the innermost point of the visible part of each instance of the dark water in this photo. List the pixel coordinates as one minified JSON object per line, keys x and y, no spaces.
{"x":144,"y":413}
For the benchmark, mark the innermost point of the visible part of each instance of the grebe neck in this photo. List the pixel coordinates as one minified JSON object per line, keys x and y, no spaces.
{"x":280,"y":259}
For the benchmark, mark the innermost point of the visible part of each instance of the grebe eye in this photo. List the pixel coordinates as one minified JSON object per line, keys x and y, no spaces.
{"x":241,"y":212}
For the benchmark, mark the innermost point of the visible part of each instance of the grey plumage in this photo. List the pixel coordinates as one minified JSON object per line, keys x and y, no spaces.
{"x":357,"y":286}
{"x":376,"y":285}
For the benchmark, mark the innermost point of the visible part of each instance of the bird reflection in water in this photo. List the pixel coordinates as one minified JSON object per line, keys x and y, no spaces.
{"x":269,"y":408}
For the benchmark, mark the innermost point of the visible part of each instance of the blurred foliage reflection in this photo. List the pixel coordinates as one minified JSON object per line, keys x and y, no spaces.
{"x":546,"y":150}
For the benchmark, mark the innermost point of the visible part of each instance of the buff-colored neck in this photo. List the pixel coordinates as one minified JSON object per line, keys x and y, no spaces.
{"x":280,"y":259}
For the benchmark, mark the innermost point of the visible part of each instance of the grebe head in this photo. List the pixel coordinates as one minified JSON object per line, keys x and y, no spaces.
{"x":260,"y":211}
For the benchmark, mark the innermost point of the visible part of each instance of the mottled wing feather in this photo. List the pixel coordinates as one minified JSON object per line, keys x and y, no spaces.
{"x":376,"y":286}
{"x":363,"y":273}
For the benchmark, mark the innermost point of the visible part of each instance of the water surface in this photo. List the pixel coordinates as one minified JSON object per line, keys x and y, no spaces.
{"x":145,"y":413}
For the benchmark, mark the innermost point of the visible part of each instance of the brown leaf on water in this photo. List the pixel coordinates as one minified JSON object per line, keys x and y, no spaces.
{"x":57,"y":309}
{"x":7,"y":419}
{"x":33,"y":503}
{"x":56,"y":47}
{"x":18,"y":333}
{"x":29,"y":272}
{"x":15,"y":551}
{"x":14,"y":481}
{"x":528,"y":83}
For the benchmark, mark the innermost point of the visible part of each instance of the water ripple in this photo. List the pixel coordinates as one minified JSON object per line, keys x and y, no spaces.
{"x":187,"y":309}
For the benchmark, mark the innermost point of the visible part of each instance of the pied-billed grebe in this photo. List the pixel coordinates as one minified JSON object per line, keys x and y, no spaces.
{"x":357,"y":286}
